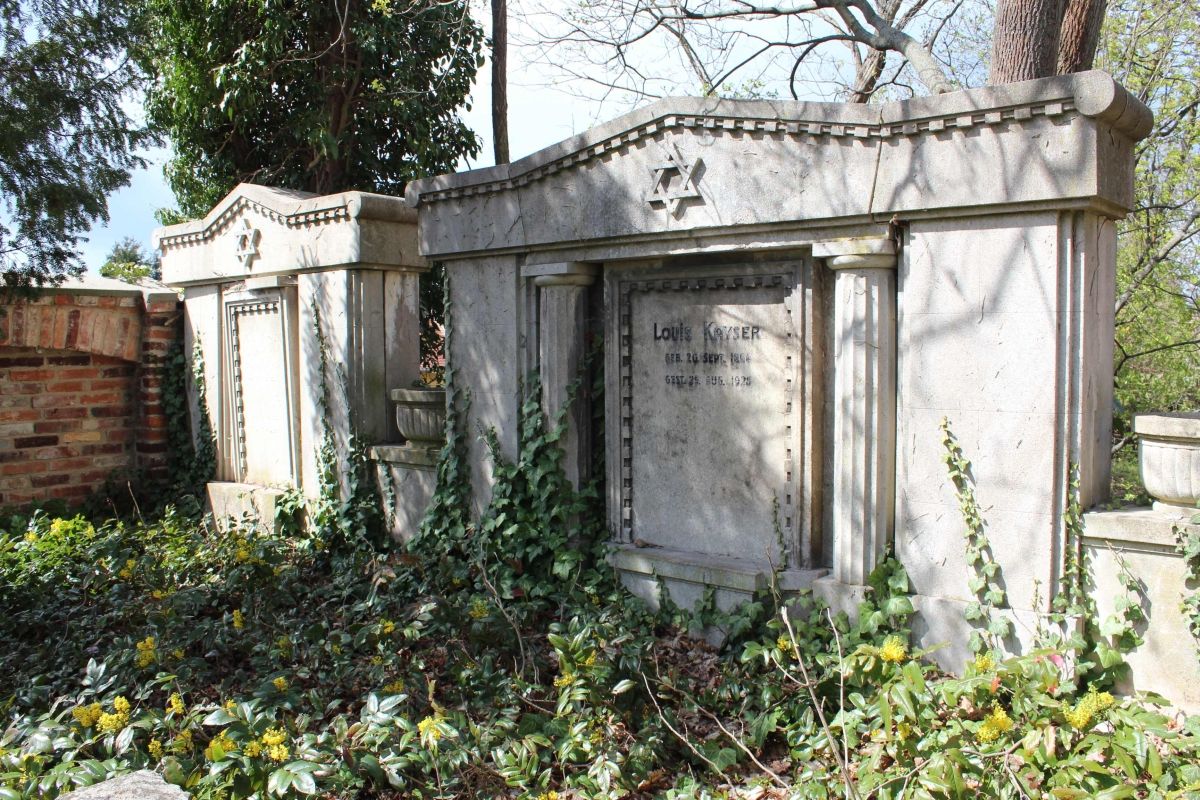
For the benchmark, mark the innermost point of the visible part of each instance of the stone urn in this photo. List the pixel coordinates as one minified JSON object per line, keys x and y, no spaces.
{"x":421,"y":415}
{"x":1169,"y":452}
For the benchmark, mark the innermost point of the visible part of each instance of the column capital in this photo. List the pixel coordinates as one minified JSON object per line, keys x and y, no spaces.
{"x":565,"y":273}
{"x":857,"y":252}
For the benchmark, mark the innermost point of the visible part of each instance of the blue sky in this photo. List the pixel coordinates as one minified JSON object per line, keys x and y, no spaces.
{"x":539,"y":115}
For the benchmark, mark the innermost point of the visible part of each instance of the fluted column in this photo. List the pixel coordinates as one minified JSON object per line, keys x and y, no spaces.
{"x":864,"y":402}
{"x":562,"y":348}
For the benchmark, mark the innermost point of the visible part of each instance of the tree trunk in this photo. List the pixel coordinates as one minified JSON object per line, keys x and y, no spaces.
{"x":500,"y":80}
{"x":1025,"y":43}
{"x":1080,"y":35}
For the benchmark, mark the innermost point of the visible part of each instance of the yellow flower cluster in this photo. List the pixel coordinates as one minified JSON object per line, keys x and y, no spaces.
{"x":126,"y":572}
{"x":111,"y":723}
{"x":146,"y":652}
{"x":104,"y":721}
{"x":229,"y":705}
{"x":479,"y":608}
{"x":280,"y":684}
{"x":271,"y":742}
{"x":253,"y":750}
{"x":284,"y":644}
{"x":274,"y":736}
{"x":386,"y":627}
{"x":395,"y":687}
{"x":178,"y":654}
{"x":590,"y":661}
{"x":783,"y":644}
{"x":994,"y":724}
{"x":219,"y":746}
{"x":428,"y":727}
{"x":175,"y":704}
{"x":87,"y":716}
{"x":894,"y":651}
{"x":984,"y":663}
{"x":550,"y":795}
{"x":1087,"y":708}
{"x":239,"y":621}
{"x":183,"y":742}
{"x":155,"y":748}
{"x":564,"y":680}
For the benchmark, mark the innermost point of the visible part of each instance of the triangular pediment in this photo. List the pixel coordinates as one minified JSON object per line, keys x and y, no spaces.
{"x":263,"y":231}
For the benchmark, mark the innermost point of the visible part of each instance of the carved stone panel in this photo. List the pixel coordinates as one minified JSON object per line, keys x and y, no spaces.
{"x":713,"y":412}
{"x":260,"y":405}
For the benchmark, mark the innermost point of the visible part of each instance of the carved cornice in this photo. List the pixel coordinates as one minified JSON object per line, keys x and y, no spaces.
{"x":288,"y":209}
{"x":1092,"y":94}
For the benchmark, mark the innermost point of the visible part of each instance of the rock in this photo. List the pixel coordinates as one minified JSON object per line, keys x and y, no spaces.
{"x":142,"y":785}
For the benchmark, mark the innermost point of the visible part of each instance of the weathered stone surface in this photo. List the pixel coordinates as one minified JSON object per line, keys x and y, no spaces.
{"x":306,"y":312}
{"x":1169,"y":454}
{"x":946,"y":257}
{"x":407,"y":477}
{"x":141,"y":785}
{"x":1143,"y":541}
{"x":234,"y":503}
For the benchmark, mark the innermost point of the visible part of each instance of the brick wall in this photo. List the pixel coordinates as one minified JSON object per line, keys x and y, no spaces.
{"x":80,"y":391}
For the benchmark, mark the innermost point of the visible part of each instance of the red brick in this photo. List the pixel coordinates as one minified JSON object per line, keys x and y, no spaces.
{"x":33,"y":374}
{"x":53,"y":400}
{"x":78,"y":372}
{"x":102,"y":449}
{"x":81,"y":360}
{"x":42,"y":481}
{"x":65,"y":412}
{"x":107,"y":302}
{"x":102,"y":398}
{"x":22,"y":361}
{"x":15,"y":482}
{"x":62,"y":451}
{"x":23,"y":468}
{"x":121,"y":371}
{"x":69,"y":492}
{"x":55,"y":426}
{"x":28,"y":442}
{"x":65,"y":386}
{"x":68,"y":464}
{"x":110,"y":411}
{"x":18,"y":415}
{"x":109,"y":383}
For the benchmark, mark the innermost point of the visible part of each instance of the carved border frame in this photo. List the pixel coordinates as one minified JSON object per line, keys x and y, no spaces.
{"x":280,"y":301}
{"x":801,"y":519}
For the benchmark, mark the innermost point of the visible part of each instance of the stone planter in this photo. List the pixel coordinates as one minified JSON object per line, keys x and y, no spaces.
{"x":1169,"y":452}
{"x":421,"y":415}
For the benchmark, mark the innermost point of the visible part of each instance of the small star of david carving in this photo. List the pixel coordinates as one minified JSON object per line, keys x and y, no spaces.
{"x":247,"y":243}
{"x":674,"y":181}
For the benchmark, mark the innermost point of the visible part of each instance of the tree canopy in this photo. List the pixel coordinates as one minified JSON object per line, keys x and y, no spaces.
{"x":321,"y":97}
{"x":127,"y":261}
{"x":66,"y":139}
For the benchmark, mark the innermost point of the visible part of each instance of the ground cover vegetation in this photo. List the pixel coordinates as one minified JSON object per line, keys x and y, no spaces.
{"x":500,"y":658}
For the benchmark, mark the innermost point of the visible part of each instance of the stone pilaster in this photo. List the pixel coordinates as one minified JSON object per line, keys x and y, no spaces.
{"x":562,"y":347}
{"x":864,"y":402}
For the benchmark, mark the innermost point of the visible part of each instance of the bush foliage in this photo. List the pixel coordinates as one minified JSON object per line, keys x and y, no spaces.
{"x":502,"y":658}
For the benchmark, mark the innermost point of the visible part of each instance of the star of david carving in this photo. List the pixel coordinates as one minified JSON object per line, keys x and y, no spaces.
{"x":674,"y":181}
{"x":246,"y":240}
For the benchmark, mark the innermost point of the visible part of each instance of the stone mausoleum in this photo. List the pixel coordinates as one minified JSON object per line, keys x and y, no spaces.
{"x":787,"y":300}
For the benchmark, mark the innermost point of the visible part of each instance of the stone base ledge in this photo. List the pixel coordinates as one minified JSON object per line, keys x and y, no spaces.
{"x":1138,"y":528}
{"x":726,"y":572}
{"x":407,"y":455}
{"x":233,"y":503}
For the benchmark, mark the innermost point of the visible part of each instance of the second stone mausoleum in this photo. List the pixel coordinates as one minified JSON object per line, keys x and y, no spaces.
{"x":789,"y":299}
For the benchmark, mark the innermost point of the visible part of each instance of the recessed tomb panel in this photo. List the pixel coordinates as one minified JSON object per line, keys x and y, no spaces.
{"x":711,"y":409}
